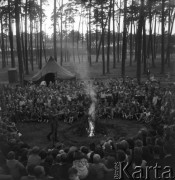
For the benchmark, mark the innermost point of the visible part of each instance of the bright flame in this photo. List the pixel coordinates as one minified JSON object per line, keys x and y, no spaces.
{"x":91,"y":129}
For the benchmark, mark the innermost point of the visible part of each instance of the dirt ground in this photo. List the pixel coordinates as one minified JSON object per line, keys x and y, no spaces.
{"x":35,"y":133}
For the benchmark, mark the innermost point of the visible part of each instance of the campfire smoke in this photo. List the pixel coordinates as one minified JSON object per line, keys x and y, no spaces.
{"x":91,"y":113}
{"x":83,"y":70}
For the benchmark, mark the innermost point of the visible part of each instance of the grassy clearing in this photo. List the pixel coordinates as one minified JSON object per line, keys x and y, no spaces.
{"x":83,"y":70}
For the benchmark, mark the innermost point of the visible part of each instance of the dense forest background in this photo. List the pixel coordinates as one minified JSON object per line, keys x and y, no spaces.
{"x":140,"y":32}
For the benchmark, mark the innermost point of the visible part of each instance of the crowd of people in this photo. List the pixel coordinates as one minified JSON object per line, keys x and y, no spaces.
{"x":148,"y":148}
{"x":69,"y":101}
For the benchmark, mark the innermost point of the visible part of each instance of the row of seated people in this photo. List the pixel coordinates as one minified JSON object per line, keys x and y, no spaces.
{"x":70,"y":99}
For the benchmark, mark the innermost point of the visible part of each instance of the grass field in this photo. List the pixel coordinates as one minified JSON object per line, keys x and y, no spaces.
{"x":83,"y":70}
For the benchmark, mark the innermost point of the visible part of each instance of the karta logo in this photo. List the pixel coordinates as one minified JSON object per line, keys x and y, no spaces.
{"x":138,"y":172}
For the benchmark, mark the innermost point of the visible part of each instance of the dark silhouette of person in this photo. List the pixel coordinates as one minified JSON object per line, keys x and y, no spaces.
{"x":54,"y":126}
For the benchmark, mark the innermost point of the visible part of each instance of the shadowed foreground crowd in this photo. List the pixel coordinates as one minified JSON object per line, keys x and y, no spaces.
{"x":18,"y":161}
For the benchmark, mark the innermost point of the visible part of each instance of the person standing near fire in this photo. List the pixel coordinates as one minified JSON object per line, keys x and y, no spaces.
{"x":53,"y":126}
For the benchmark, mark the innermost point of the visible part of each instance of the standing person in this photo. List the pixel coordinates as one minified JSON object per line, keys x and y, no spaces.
{"x":54,"y":126}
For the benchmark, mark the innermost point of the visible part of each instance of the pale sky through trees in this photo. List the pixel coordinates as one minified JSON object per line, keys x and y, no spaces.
{"x":48,"y":27}
{"x":48,"y":24}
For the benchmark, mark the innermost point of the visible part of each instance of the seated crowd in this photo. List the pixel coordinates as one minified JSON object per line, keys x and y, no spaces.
{"x":68,"y":100}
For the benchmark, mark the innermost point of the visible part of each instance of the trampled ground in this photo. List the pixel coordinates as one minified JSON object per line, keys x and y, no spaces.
{"x":35,"y":133}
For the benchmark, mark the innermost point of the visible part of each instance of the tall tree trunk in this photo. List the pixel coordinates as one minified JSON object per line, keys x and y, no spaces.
{"x":139,"y":39}
{"x":150,"y":44}
{"x":96,"y":38}
{"x":26,"y":36}
{"x":35,"y":42}
{"x":169,"y":36}
{"x":114,"y":40}
{"x":54,"y":32}
{"x":2,"y":45}
{"x":11,"y":37}
{"x":99,"y":46}
{"x":131,"y":39}
{"x":78,"y":37}
{"x":31,"y":44}
{"x":22,"y":45}
{"x":87,"y":41}
{"x":109,"y":37}
{"x":144,"y":49}
{"x":18,"y":40}
{"x":136,"y":43}
{"x":37,"y":47}
{"x":118,"y":38}
{"x":102,"y":36}
{"x":66,"y":49}
{"x":124,"y":47}
{"x":44,"y":46}
{"x":41,"y":33}
{"x":73,"y":43}
{"x":162,"y":39}
{"x":172,"y":26}
{"x":61,"y":58}
{"x":157,"y":42}
{"x":65,"y":46}
{"x":82,"y":41}
{"x":89,"y":47}
{"x":131,"y":43}
{"x":6,"y":50}
{"x":155,"y":29}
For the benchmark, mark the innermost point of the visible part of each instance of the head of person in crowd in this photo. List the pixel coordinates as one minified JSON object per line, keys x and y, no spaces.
{"x":84,"y":150}
{"x":92,"y":147}
{"x":138,"y":143}
{"x":73,"y":174}
{"x":110,"y":162}
{"x":99,"y":150}
{"x":35,"y":150}
{"x":120,"y":156}
{"x":96,"y":159}
{"x":168,"y":150}
{"x":39,"y":172}
{"x":138,"y":157}
{"x":157,"y":152}
{"x":43,"y":154}
{"x":31,"y":170}
{"x":11,"y":155}
{"x":130,"y":143}
{"x":146,"y":154}
{"x":124,"y":145}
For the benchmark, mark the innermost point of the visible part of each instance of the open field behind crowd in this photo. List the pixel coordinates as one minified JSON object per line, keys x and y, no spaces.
{"x":84,"y":71}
